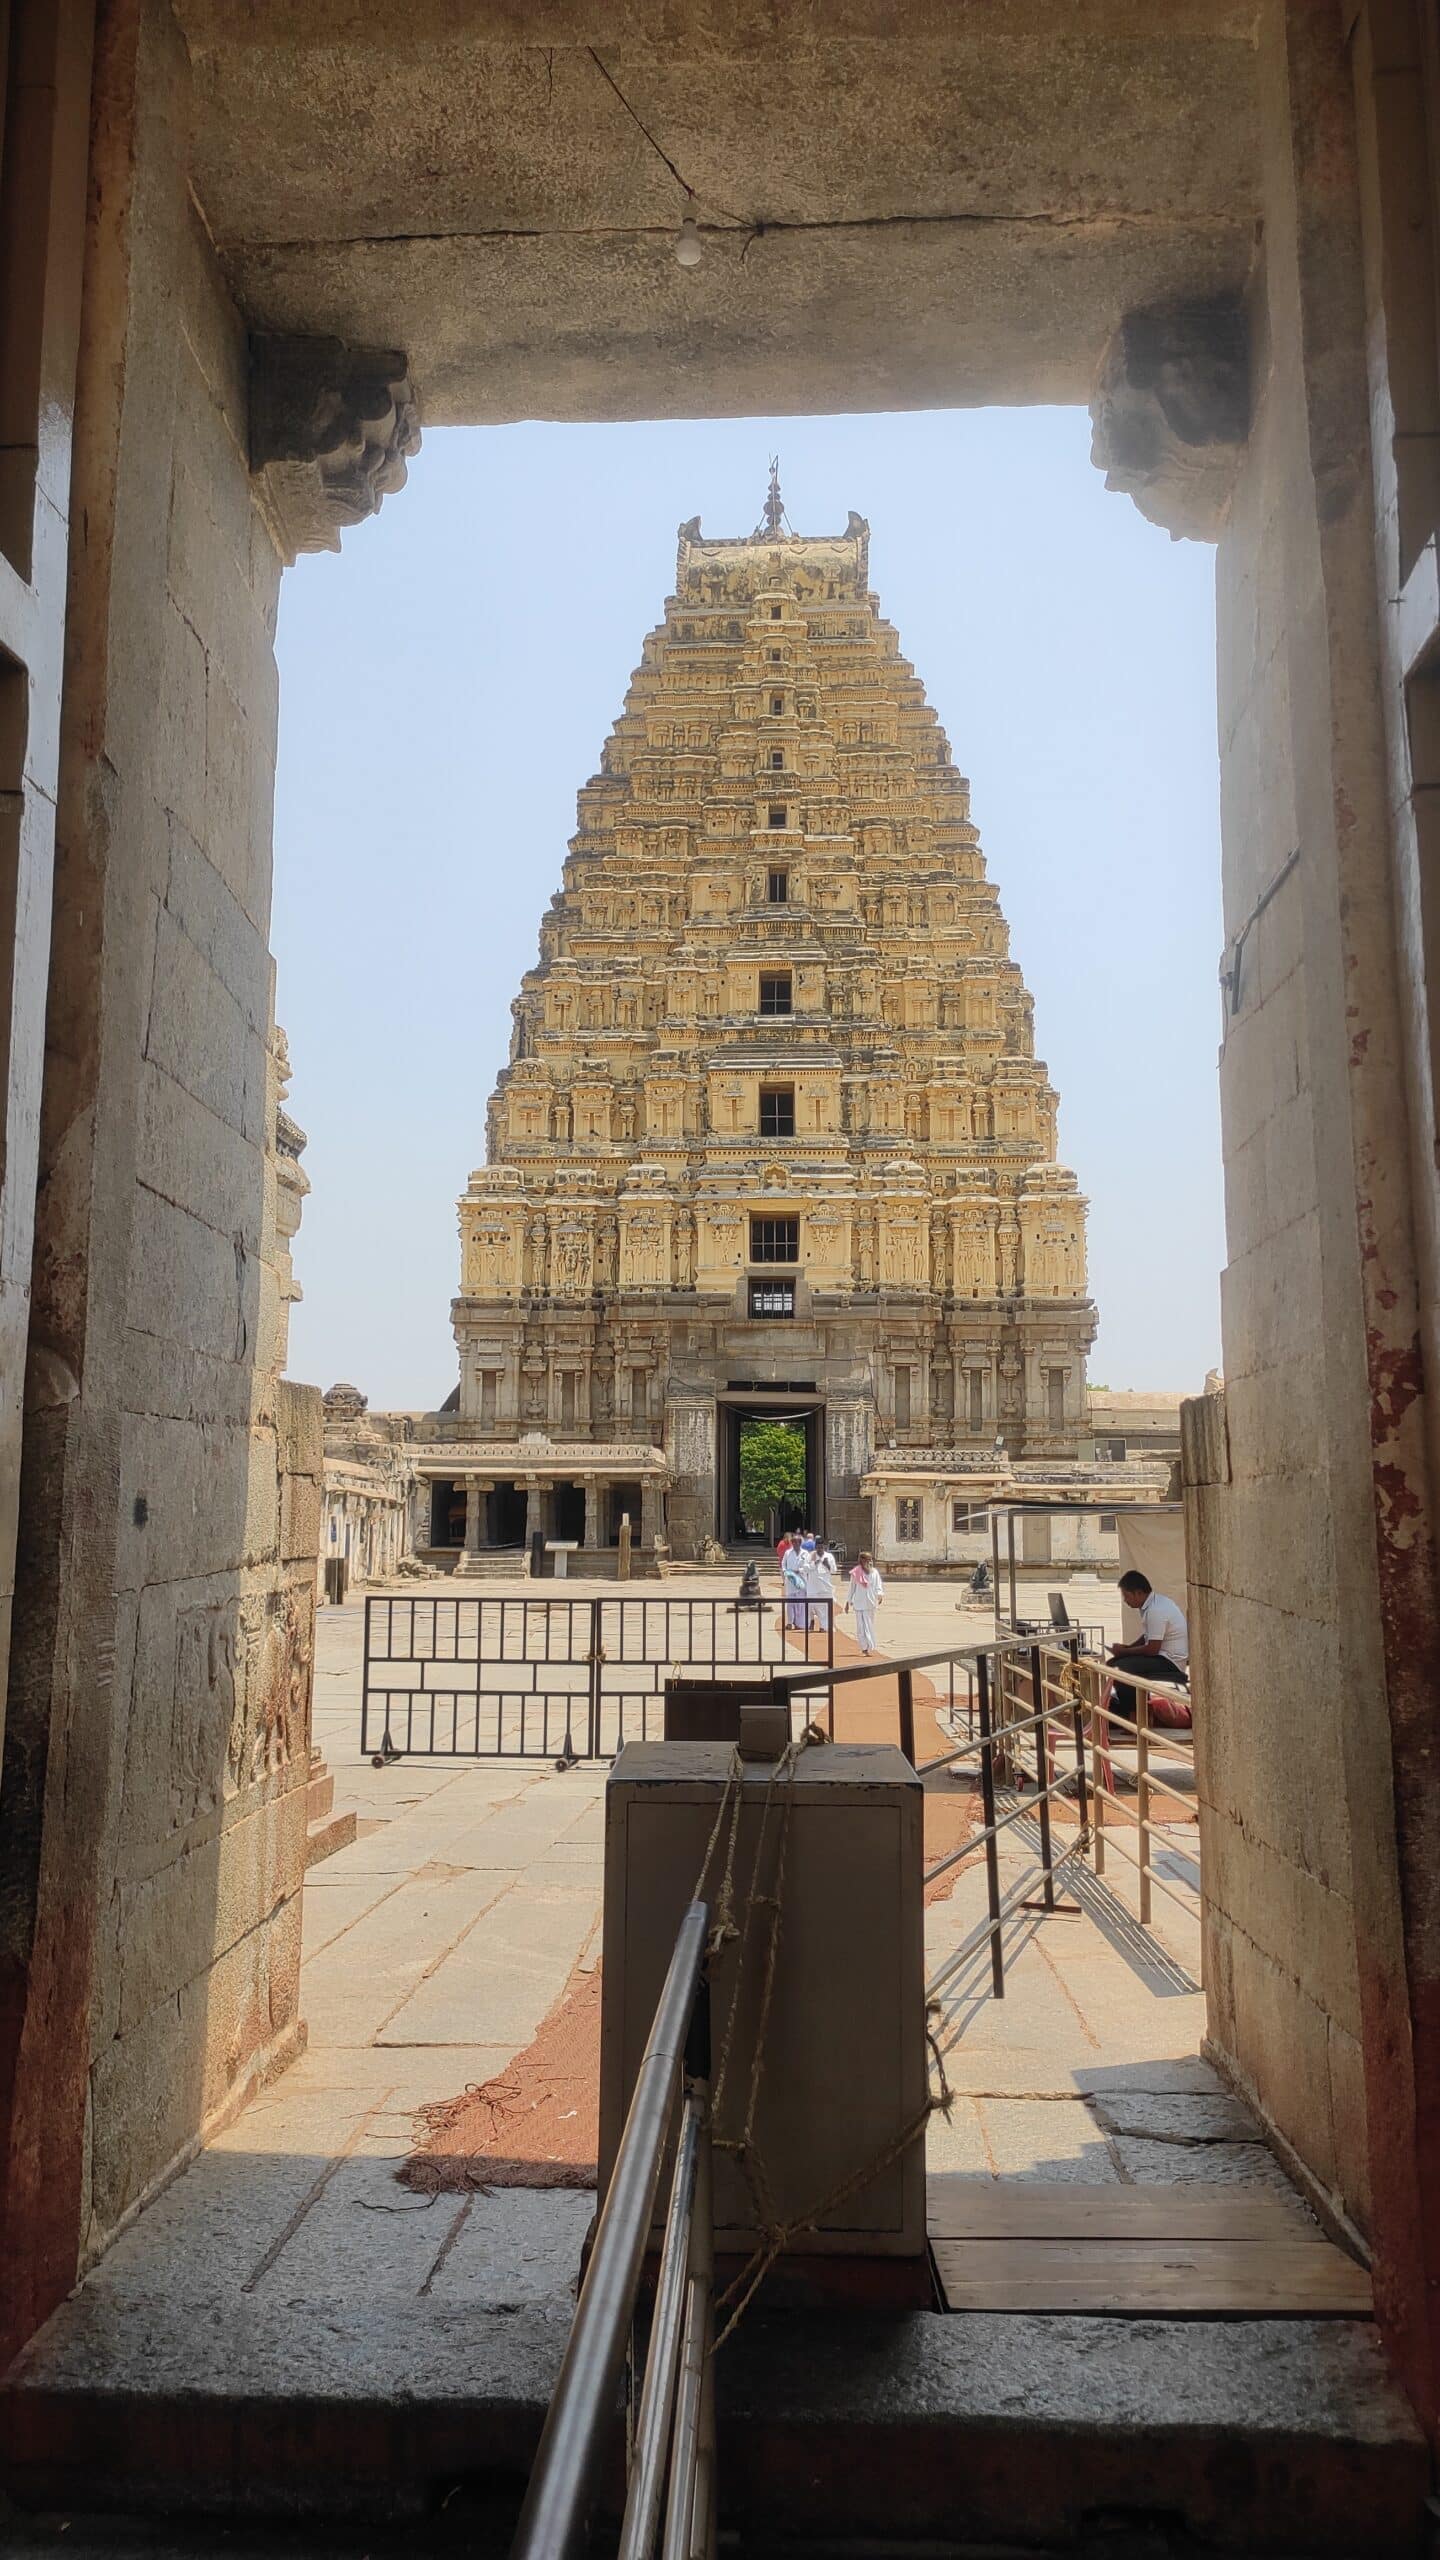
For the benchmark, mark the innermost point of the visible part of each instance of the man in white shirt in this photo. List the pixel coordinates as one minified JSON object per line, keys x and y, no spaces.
{"x":1162,"y":1648}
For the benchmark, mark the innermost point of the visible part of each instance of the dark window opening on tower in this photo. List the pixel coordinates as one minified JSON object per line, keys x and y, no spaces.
{"x":776,"y":991}
{"x":777,"y":1111}
{"x":774,"y":656}
{"x":774,"y":1239}
{"x":772,"y":1297}
{"x":775,"y":611}
{"x":778,"y":817}
{"x":777,"y":888}
{"x":777,"y":759}
{"x":777,"y":705}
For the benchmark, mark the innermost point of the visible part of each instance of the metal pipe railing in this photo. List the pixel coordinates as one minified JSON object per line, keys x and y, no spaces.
{"x":999,"y":1749}
{"x":554,"y":2518}
{"x":1030,"y":1707}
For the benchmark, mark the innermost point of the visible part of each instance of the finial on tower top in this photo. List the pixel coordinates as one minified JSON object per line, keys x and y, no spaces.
{"x":774,"y":517}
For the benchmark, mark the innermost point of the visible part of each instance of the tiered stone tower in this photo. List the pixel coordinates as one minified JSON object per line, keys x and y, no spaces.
{"x":773,"y":1136}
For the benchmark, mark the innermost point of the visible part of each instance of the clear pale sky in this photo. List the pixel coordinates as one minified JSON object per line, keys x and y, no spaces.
{"x":446,"y":686}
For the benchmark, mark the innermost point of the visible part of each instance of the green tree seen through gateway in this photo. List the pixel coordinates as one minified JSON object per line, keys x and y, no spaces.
{"x":772,"y":1468}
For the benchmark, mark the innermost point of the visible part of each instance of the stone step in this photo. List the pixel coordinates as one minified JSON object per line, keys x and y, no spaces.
{"x":333,"y":1831}
{"x":461,"y":2533}
{"x":319,"y":1793}
{"x":1279,"y":2439}
{"x":502,"y":1564}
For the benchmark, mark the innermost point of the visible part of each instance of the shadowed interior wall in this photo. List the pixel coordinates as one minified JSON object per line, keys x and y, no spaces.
{"x":1309,"y":1500}
{"x":153,"y":1812}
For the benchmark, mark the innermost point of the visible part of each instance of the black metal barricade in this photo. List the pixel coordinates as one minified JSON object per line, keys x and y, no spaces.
{"x":553,"y":1679}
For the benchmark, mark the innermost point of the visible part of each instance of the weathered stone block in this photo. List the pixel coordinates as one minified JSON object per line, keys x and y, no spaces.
{"x":176,"y":1924}
{"x":177,"y":748}
{"x":1204,"y":1443}
{"x":195,"y":1497}
{"x":189,"y":1282}
{"x":1281,"y":2046}
{"x":1270,"y":1300}
{"x":239,"y":795}
{"x":301,"y":1503}
{"x":200,"y":1036}
{"x":209,"y":914}
{"x":152,"y":2088}
{"x":1276,"y":1418}
{"x":300,"y":1421}
{"x":196,"y":1162}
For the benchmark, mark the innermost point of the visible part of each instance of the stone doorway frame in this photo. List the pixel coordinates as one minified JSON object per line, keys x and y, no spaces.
{"x":1328,"y":765}
{"x":767,"y":1404}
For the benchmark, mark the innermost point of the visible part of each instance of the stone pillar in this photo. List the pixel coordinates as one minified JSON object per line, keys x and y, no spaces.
{"x":596,"y":1488}
{"x":650,"y":1512}
{"x":476,"y":1488}
{"x":534,"y":1508}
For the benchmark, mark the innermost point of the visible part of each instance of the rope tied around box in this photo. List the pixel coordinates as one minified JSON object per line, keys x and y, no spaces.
{"x":776,"y":2233}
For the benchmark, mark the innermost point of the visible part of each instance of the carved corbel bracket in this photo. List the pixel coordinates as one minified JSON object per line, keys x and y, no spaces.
{"x":331,"y":430}
{"x":1171,"y":413}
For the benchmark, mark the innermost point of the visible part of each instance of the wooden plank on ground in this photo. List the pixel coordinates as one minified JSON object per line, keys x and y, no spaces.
{"x":1172,"y":2279}
{"x":963,"y":2208}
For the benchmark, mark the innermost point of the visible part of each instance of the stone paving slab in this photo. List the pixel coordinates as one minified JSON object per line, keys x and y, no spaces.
{"x":363,"y":1979}
{"x":1175,"y":2118}
{"x":516,"y":2248}
{"x":405,"y":2077}
{"x":497,"y":1983}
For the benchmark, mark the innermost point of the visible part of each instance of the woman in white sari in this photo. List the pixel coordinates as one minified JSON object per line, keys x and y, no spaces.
{"x":792,"y":1576}
{"x":867,"y":1590}
{"x":820,"y":1585}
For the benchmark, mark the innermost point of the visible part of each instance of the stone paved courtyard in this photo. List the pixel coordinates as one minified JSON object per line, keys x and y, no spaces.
{"x":289,"y":2273}
{"x":436,"y":1944}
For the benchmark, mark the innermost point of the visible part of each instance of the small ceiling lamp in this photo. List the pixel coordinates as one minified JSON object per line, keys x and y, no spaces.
{"x":688,"y":247}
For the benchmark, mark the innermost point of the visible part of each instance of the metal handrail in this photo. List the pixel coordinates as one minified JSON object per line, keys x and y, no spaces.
{"x":554,"y":2517}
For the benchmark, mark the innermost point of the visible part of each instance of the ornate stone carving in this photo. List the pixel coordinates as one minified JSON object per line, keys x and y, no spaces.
{"x":331,"y":430}
{"x":648,"y":1171}
{"x":1172,"y":410}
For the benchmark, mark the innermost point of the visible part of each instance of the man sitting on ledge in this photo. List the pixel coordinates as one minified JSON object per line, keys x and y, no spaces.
{"x":1161,"y":1651}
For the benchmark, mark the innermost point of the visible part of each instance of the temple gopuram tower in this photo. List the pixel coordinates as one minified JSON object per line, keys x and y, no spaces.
{"x":773,"y":1139}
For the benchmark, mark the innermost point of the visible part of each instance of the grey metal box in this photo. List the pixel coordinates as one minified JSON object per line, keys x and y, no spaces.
{"x":844,"y":2066}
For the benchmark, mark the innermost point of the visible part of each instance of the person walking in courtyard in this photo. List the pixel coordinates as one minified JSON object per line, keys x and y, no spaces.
{"x":792,"y":1576}
{"x":867,"y":1590}
{"x":819,"y":1583}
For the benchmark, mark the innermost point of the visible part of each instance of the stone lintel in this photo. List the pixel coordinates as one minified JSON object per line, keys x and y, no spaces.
{"x":1171,"y":412}
{"x":331,"y":430}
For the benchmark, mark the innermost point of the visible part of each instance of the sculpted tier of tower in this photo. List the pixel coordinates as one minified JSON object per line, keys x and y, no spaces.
{"x":773,"y":1126}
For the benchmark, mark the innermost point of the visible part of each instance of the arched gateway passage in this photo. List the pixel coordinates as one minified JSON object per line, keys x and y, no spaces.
{"x":1235,"y":242}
